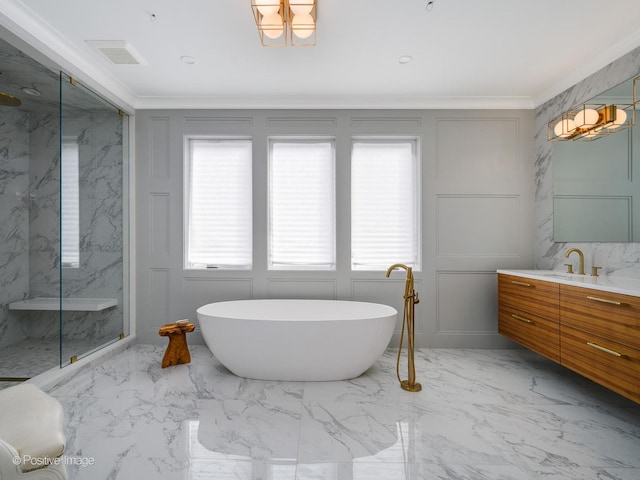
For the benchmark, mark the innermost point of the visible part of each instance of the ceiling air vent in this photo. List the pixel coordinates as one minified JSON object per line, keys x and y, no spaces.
{"x":119,"y":52}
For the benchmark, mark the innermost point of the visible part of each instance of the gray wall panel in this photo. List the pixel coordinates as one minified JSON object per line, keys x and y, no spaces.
{"x":509,"y":161}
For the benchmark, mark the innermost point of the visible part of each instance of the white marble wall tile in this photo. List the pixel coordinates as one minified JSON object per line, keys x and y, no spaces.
{"x":100,"y":273}
{"x":14,"y":219}
{"x":621,"y":259}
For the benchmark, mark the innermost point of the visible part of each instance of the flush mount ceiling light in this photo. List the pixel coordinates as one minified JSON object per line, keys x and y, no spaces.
{"x":31,"y":91}
{"x":285,"y":22}
{"x":590,"y":122}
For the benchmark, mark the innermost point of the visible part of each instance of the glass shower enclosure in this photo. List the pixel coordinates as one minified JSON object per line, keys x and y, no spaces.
{"x":63,"y":219}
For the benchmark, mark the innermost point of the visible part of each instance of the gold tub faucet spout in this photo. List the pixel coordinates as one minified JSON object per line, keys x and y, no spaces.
{"x":581,"y":255}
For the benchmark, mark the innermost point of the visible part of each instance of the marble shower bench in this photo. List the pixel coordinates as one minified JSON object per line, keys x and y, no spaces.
{"x":68,"y":304}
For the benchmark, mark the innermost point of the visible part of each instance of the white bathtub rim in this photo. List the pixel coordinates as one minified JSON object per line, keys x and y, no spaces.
{"x":233,"y":309}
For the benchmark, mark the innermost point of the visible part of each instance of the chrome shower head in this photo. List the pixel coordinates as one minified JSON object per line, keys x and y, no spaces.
{"x":7,"y":100}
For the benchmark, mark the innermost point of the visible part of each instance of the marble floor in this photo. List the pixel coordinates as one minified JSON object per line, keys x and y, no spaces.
{"x":30,"y":357}
{"x":482,"y":414}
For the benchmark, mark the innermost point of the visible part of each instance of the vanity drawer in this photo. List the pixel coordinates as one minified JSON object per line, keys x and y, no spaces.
{"x":534,"y":332}
{"x":535,"y":296}
{"x":608,"y":315}
{"x":608,"y":363}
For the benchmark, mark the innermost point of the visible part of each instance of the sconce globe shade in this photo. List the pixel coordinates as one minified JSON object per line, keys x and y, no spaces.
{"x":593,"y":133}
{"x":621,"y":117}
{"x":302,"y":25}
{"x":267,"y":7}
{"x":272,"y":26}
{"x":586,"y":118}
{"x":300,"y":7}
{"x":564,"y":128}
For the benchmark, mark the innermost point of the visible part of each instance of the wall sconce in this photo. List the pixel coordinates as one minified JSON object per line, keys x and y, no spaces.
{"x":282,"y":22}
{"x":590,"y":122}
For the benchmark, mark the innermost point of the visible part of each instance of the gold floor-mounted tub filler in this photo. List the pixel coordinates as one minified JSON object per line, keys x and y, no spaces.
{"x":408,"y":322}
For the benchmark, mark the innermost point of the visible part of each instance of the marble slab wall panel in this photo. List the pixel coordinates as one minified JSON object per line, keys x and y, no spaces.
{"x":100,"y":273}
{"x":14,"y":219}
{"x":621,"y":259}
{"x":44,"y":222}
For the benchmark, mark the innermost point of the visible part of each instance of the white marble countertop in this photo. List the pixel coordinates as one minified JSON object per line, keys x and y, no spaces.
{"x":625,"y":286}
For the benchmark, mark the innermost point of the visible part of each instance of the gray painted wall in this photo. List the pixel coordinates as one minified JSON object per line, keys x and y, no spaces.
{"x":621,"y":259}
{"x":477,"y":216}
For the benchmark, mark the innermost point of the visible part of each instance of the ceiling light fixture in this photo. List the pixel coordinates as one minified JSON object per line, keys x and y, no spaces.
{"x":31,"y":91}
{"x":590,"y":122}
{"x":283,"y":22}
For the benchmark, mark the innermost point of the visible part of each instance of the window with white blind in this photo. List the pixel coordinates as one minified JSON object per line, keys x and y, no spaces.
{"x":218,"y":202}
{"x":385,"y":203}
{"x":301,"y":223}
{"x":70,"y":203}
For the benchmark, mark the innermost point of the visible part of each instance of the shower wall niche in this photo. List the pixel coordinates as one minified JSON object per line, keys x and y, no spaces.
{"x":63,"y":165}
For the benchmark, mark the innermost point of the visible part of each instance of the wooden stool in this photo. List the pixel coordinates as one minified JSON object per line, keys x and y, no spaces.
{"x":177,"y":350}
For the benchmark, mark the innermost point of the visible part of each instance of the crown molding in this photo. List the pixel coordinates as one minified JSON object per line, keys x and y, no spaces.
{"x":333,"y":102}
{"x":596,"y":63}
{"x":48,"y":46}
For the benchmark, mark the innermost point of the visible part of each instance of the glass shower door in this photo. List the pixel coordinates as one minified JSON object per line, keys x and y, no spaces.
{"x":93,"y":219}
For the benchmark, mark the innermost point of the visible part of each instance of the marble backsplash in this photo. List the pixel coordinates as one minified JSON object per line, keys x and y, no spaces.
{"x":622,"y":259}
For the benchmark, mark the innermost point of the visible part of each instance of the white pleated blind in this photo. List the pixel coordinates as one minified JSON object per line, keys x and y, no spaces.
{"x":302,"y":204}
{"x":219,"y":208}
{"x":70,"y":204}
{"x":385,"y":204}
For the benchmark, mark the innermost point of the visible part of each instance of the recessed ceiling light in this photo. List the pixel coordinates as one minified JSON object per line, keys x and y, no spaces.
{"x":31,"y":91}
{"x":405,"y":59}
{"x":188,"y":60}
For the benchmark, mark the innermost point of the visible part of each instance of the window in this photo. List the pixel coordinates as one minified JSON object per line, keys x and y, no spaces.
{"x":385,"y":203}
{"x":218,"y":202}
{"x":70,"y":203}
{"x":301,"y":224}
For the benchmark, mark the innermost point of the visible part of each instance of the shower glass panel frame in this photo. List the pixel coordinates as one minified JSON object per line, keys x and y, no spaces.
{"x":94,"y":217}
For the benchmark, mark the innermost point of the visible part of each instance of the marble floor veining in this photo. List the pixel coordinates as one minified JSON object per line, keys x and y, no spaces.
{"x":482,"y":414}
{"x":30,"y":357}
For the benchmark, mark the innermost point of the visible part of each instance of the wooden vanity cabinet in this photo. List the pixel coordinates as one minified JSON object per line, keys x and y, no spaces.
{"x":600,"y":337}
{"x":528,"y":314}
{"x":592,"y":332}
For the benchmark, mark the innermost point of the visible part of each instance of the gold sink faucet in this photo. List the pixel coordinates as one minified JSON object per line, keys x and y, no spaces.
{"x":581,"y":255}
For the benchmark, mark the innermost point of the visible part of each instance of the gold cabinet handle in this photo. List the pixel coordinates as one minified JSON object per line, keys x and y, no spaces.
{"x":604,"y":300}
{"x":605,"y":350}
{"x":522,"y":319}
{"x":515,"y":282}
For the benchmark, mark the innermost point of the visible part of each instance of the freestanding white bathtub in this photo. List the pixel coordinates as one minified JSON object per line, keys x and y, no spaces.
{"x":303,"y":340}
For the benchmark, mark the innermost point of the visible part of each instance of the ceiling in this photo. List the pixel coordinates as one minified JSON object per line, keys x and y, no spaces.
{"x":466,"y":53}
